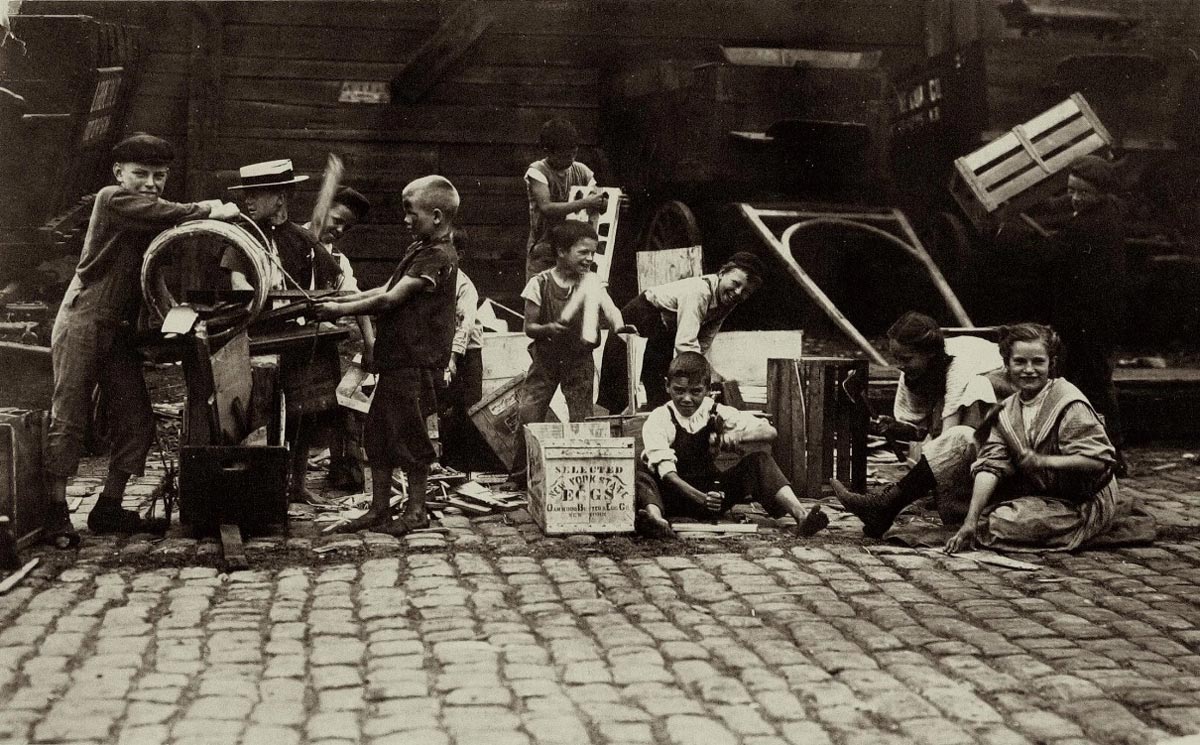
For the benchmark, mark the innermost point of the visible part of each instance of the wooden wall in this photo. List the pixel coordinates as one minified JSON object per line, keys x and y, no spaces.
{"x":281,"y":67}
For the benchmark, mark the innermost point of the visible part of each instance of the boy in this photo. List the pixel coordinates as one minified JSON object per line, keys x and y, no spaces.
{"x":349,"y":208}
{"x":559,"y":356}
{"x":414,"y":329}
{"x":92,"y":342}
{"x":267,"y":189}
{"x":677,"y":475}
{"x":464,"y":376}
{"x":548,"y":182}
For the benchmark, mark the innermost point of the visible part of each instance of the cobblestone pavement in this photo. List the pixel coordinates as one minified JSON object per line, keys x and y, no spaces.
{"x":492,"y":635}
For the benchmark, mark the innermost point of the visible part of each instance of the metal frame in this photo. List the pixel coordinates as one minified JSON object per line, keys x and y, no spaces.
{"x":805,"y":218}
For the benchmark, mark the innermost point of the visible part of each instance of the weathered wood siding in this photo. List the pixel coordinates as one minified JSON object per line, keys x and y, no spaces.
{"x":282,"y":66}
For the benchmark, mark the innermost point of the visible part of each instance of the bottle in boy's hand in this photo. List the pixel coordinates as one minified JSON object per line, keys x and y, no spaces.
{"x":713,"y":501}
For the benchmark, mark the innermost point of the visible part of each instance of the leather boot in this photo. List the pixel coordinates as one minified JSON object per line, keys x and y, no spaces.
{"x":877,"y":510}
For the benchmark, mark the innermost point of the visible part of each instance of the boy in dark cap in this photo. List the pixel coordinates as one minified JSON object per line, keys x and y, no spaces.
{"x":348,"y":209}
{"x":685,"y":316}
{"x":92,"y":340}
{"x":1087,"y":270}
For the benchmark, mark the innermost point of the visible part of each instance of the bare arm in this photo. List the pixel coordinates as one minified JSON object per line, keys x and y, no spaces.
{"x":535,"y":330}
{"x":710,"y":500}
{"x":985,"y":486}
{"x":541,"y":199}
{"x":373,"y":301}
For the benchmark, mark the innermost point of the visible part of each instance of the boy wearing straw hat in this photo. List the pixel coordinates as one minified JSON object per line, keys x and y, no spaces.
{"x":301,"y":262}
{"x":92,"y":341}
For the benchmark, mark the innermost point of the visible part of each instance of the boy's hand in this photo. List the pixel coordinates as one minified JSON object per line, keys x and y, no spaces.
{"x":555,"y":329}
{"x":628,"y":328}
{"x":451,"y":369}
{"x":224,"y":211}
{"x":328,"y":311}
{"x":595,"y":202}
{"x":713,"y":501}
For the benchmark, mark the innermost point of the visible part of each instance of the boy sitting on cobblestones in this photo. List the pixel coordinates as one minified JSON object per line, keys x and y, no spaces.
{"x":677,"y":475}
{"x":414,"y":328}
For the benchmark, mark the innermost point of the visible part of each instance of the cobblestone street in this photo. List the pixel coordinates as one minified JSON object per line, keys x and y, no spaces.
{"x":494,"y":635}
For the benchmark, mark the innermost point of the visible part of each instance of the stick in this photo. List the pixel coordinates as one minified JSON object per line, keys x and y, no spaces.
{"x":15,"y":578}
{"x":329,"y":185}
{"x":591,"y":308}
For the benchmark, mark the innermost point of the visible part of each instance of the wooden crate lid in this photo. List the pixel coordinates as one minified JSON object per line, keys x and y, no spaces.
{"x":1032,"y":152}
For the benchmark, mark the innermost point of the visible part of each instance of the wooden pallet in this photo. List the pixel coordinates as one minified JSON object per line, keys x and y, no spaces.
{"x":1028,"y":154}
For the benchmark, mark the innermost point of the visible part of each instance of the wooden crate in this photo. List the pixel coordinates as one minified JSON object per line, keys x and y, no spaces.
{"x":665,"y":265}
{"x":580,"y":478}
{"x":496,"y":418}
{"x":233,"y":485}
{"x":818,"y":406}
{"x":24,"y":497}
{"x":1030,"y":153}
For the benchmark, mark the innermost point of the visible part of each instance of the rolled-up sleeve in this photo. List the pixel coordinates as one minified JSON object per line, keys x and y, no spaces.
{"x":658,"y":434}
{"x":994,"y":457}
{"x":466,"y":302}
{"x":689,"y":318}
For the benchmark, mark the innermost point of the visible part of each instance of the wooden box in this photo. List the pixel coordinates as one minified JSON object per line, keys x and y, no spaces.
{"x":819,"y":407}
{"x":24,"y":497}
{"x":580,"y":478}
{"x":310,"y":377}
{"x":235,"y":485}
{"x":1012,"y":164}
{"x":496,"y":418}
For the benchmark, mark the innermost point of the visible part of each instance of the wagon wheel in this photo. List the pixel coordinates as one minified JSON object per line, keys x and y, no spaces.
{"x":671,"y":226}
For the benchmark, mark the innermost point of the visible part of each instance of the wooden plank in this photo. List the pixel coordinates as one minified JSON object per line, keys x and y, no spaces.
{"x":233,"y":552}
{"x":349,"y":16}
{"x":743,"y":355}
{"x":15,"y":578}
{"x":656,"y":268}
{"x":423,"y":123}
{"x":700,"y":528}
{"x":453,"y":38}
{"x":232,"y":387}
{"x":786,"y":414}
{"x":309,"y":156}
{"x":325,"y":92}
{"x":828,"y":22}
{"x":320,"y":43}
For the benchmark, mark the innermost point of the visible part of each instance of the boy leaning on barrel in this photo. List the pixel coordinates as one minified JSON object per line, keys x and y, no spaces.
{"x":415,"y":324}
{"x":678,"y":476}
{"x":92,"y":342}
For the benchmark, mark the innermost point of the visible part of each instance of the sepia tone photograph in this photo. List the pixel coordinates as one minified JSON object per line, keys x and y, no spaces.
{"x":613,"y":372}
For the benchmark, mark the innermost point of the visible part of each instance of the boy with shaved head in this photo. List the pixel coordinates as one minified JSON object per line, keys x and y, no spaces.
{"x":414,"y":329}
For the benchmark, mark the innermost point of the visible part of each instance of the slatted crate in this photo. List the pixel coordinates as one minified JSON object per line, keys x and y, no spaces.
{"x":1011,"y":165}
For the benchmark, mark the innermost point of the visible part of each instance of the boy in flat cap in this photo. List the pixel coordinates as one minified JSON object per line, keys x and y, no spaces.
{"x":92,"y":341}
{"x":1088,"y":287}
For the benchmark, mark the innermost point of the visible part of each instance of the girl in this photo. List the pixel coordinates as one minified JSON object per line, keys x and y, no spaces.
{"x":1044,"y":478}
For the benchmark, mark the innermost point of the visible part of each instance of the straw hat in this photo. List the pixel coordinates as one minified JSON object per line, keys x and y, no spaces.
{"x":268,"y":173}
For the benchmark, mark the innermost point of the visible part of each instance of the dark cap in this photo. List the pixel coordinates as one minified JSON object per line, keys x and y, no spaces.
{"x":748,"y":263}
{"x":140,"y":147}
{"x":357,"y":203}
{"x":1098,"y":172}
